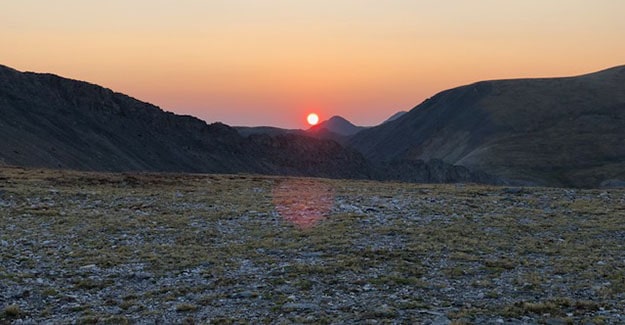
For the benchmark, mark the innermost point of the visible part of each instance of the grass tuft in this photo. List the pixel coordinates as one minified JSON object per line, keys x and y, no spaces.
{"x":12,"y":311}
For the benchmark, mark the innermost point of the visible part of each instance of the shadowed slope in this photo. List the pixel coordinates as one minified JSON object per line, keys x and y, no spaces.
{"x":553,"y":131}
{"x":49,"y":121}
{"x":395,"y":116}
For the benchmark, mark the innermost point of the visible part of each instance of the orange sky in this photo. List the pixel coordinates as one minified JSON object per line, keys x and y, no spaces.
{"x":269,"y":62}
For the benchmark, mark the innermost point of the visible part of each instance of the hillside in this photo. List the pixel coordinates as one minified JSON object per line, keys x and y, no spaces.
{"x":49,"y":121}
{"x":54,"y":122}
{"x":551,"y":131}
{"x":395,"y":116}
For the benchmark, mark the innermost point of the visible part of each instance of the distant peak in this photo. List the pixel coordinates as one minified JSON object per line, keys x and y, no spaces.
{"x":337,"y":121}
{"x":338,"y":117}
{"x":337,"y":124}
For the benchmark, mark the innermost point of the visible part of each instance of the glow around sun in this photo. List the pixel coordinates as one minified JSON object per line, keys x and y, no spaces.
{"x":312,"y":119}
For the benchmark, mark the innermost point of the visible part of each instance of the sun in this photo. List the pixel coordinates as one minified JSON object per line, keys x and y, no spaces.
{"x":312,"y":119}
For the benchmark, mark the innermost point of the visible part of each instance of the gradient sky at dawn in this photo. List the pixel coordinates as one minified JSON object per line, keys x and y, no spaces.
{"x":269,"y":62}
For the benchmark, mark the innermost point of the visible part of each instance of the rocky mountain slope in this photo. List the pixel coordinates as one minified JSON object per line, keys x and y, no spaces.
{"x":395,"y":116}
{"x":551,"y":131}
{"x":49,"y":121}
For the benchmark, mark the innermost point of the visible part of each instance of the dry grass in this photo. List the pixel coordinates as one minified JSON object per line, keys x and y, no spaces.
{"x":212,"y":245}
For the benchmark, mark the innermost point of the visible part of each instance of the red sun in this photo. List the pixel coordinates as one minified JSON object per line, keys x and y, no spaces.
{"x":312,"y":119}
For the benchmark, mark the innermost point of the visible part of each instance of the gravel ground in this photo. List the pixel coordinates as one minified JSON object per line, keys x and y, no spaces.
{"x":187,"y":249}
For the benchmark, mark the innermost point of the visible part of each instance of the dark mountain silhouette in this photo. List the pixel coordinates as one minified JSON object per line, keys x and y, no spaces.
{"x":49,"y":121}
{"x":336,"y":128}
{"x":54,"y":122}
{"x":338,"y":125}
{"x":246,"y":131}
{"x":395,"y":116}
{"x":551,"y":131}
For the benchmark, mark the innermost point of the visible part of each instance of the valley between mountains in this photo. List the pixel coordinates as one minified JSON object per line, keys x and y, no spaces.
{"x":496,"y":202}
{"x":563,"y":132}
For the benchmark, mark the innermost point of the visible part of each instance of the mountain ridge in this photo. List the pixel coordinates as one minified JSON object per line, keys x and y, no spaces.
{"x":394,"y":116}
{"x":50,"y":121}
{"x":565,"y":131}
{"x":55,"y":122}
{"x":562,"y":131}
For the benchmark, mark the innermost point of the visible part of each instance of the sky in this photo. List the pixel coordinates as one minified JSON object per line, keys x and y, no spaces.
{"x":270,"y":62}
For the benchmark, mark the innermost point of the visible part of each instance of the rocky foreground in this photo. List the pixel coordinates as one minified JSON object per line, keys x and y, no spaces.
{"x":181,"y":248}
